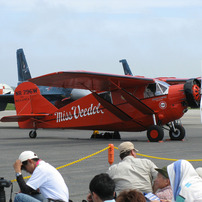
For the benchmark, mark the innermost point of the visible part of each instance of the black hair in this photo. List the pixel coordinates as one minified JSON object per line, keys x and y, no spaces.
{"x":124,"y":154}
{"x":24,"y":163}
{"x":103,"y":186}
{"x":35,"y":159}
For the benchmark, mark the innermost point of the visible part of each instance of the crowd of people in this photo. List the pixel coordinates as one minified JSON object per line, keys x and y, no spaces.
{"x":131,"y":180}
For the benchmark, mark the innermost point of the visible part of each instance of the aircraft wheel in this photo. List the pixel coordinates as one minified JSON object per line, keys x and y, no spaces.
{"x":179,"y":134}
{"x":155,"y":133}
{"x":32,"y":134}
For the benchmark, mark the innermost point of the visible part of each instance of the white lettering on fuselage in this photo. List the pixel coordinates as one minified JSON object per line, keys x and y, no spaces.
{"x":77,"y":112}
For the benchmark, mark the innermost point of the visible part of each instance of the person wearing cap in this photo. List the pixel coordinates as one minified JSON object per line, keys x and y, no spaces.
{"x":185,"y":182}
{"x":162,"y":184}
{"x":132,"y":172}
{"x":45,"y":179}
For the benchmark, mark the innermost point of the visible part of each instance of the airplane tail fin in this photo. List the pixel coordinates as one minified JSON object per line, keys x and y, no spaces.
{"x":23,"y":69}
{"x":28,"y":102}
{"x":126,"y":67}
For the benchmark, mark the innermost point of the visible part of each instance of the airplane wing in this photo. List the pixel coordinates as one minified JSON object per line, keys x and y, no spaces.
{"x":23,"y":117}
{"x":174,"y":80}
{"x":5,"y":99}
{"x":8,"y":98}
{"x":90,"y":80}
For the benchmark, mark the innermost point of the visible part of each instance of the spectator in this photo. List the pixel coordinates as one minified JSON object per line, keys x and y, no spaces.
{"x":132,"y":172}
{"x":185,"y":182}
{"x":162,"y":184}
{"x":102,"y":188}
{"x":44,"y":178}
{"x":130,"y":196}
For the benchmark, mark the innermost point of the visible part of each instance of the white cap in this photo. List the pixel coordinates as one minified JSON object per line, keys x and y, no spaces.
{"x":126,"y":146}
{"x":24,"y":156}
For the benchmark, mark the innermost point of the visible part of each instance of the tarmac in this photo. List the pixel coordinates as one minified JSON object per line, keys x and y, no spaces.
{"x":63,"y":147}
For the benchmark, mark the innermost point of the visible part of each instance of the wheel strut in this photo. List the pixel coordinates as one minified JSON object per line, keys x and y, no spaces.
{"x":173,"y":126}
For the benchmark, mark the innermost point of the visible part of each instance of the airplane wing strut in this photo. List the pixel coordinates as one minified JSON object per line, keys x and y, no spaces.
{"x":112,"y":108}
{"x":135,"y":102}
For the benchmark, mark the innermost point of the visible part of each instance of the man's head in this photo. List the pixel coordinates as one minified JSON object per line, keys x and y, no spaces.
{"x":125,"y":149}
{"x":162,"y":179}
{"x":28,"y":159}
{"x":102,"y":187}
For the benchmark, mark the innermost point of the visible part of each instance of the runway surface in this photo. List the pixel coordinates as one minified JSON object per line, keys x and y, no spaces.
{"x":60,"y":147}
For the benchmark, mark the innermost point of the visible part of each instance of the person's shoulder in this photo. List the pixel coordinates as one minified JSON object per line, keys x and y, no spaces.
{"x":113,"y":166}
{"x":148,"y":162}
{"x":44,"y":166}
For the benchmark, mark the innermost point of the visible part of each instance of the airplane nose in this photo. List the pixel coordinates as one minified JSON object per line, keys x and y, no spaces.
{"x":192,"y":89}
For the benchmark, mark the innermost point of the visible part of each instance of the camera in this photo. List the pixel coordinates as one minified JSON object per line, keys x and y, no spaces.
{"x":3,"y":183}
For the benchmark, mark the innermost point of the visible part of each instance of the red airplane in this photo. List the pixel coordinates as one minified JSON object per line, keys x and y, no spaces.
{"x":117,"y":103}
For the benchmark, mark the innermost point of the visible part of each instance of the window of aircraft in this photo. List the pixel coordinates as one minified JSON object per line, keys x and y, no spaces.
{"x":106,"y":95}
{"x":156,"y":89}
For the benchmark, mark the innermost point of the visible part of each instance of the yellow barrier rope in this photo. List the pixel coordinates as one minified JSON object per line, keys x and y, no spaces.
{"x":91,"y":155}
{"x":167,"y":159}
{"x":83,"y":158}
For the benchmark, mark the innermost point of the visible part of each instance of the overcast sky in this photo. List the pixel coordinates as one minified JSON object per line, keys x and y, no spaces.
{"x":157,"y":37}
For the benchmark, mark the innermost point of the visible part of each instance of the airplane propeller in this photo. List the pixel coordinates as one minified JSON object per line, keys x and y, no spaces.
{"x":192,"y":89}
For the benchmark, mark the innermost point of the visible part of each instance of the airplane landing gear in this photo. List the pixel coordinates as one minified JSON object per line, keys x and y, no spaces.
{"x":177,"y":132}
{"x":155,"y":133}
{"x":32,"y":134}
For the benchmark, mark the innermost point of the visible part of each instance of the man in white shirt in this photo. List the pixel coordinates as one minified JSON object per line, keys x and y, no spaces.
{"x":132,"y":172}
{"x":45,"y":179}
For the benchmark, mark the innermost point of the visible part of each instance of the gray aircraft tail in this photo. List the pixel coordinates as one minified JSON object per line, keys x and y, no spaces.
{"x":23,"y":69}
{"x":126,"y":67}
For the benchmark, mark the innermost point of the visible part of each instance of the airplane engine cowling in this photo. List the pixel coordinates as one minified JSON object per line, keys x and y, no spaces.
{"x":79,"y":93}
{"x":192,"y":89}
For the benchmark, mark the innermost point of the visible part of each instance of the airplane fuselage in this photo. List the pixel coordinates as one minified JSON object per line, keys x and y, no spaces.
{"x":88,"y":113}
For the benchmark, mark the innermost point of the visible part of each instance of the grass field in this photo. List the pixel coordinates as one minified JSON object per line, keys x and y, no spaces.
{"x":10,"y":106}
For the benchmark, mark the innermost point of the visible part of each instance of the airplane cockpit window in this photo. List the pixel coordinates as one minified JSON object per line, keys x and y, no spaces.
{"x":163,"y":86}
{"x":150,"y":90}
{"x":106,"y":95}
{"x":156,"y":89}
